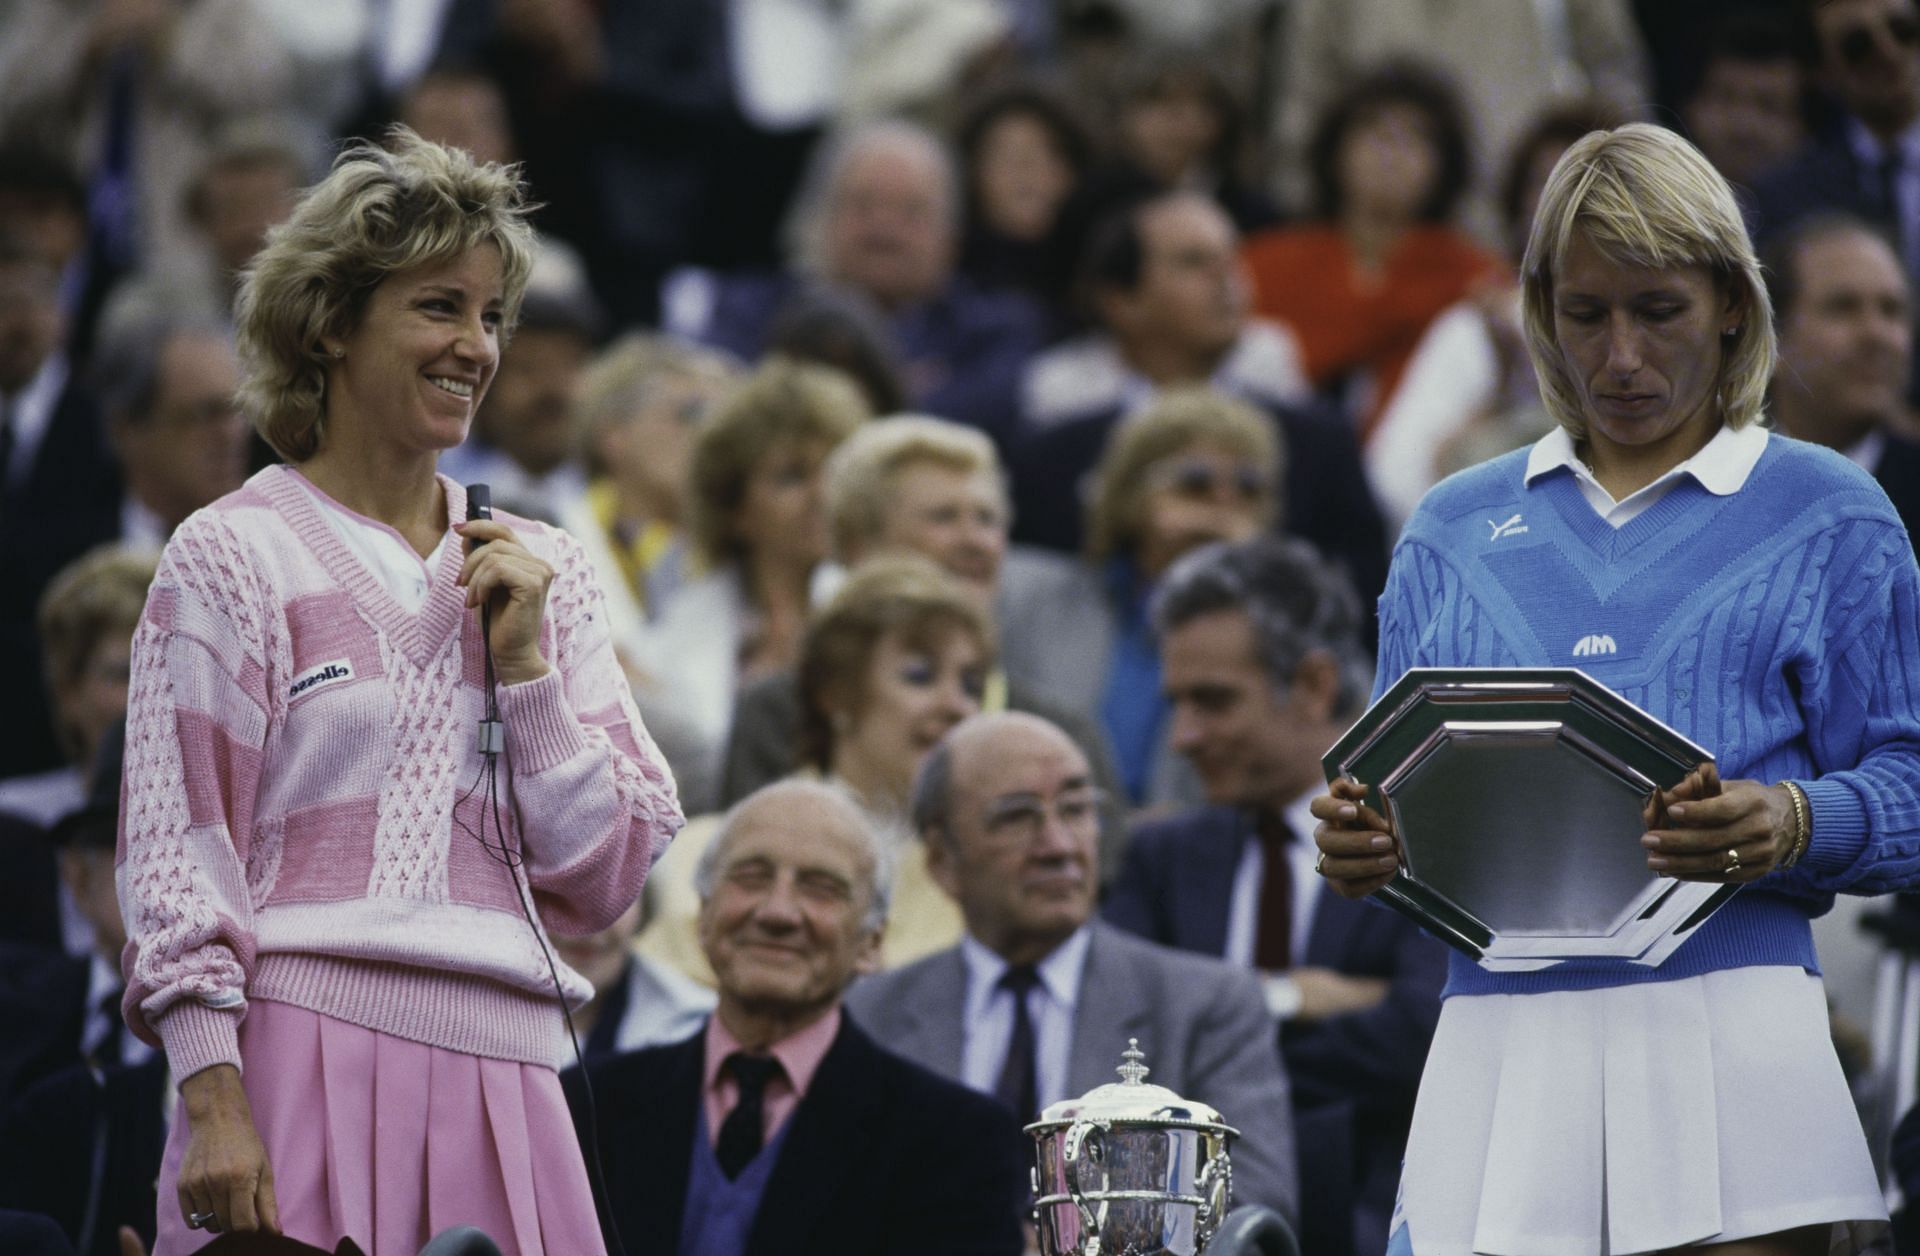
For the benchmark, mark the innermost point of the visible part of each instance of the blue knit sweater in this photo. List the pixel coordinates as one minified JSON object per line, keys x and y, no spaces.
{"x":1779,"y":627}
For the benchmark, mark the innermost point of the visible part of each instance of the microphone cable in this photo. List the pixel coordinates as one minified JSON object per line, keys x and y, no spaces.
{"x":492,"y":746}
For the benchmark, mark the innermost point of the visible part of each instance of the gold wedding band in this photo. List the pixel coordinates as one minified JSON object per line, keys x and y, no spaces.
{"x":1320,"y":864}
{"x":1733,"y":860}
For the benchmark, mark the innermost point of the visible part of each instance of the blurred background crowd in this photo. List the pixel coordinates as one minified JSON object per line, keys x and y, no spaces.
{"x":886,"y":354}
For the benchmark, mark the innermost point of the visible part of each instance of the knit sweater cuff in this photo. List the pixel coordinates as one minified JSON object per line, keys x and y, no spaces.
{"x":1839,"y":826}
{"x":198,"y":1037}
{"x":542,"y":728}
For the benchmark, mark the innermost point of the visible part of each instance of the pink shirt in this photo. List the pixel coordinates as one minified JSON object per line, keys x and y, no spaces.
{"x":799,"y":1054}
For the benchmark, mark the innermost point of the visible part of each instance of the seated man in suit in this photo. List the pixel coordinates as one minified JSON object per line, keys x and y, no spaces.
{"x":1039,"y":999}
{"x":1264,"y":666}
{"x":1843,"y":309}
{"x":781,"y":1127}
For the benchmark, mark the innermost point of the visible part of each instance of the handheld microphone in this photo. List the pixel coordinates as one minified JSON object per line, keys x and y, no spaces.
{"x":479,"y":504}
{"x":493,"y":734}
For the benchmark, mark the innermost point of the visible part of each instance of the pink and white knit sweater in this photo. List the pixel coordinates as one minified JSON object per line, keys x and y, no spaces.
{"x":299,"y":755}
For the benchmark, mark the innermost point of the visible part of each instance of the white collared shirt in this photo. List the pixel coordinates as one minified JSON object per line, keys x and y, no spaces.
{"x":1721,"y":467}
{"x":988,"y":1022}
{"x":1243,"y":909}
{"x":30,"y":413}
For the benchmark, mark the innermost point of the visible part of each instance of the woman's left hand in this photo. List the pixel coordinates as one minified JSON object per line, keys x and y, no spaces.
{"x":1729,"y":832}
{"x":510,"y":579}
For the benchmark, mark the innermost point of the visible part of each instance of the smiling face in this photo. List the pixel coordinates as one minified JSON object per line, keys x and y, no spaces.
{"x":911,"y":695}
{"x":956,"y":518}
{"x":1252,"y":743}
{"x":785,"y":927}
{"x":411,"y":376}
{"x":1643,"y":350}
{"x":1019,"y":850}
{"x":1846,"y":345}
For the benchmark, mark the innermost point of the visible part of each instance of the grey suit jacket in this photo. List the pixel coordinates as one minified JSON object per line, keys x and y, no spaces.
{"x":1201,"y":1023}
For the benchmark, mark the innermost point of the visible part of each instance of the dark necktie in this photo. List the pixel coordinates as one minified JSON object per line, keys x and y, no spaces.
{"x":1019,"y":1086}
{"x":742,"y":1133}
{"x":1889,"y":180}
{"x":105,"y":1050}
{"x":1273,"y":944}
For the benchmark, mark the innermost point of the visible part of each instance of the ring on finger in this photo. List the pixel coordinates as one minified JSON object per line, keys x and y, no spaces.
{"x":1733,"y":860}
{"x":199,"y":1220}
{"x":1320,"y":864}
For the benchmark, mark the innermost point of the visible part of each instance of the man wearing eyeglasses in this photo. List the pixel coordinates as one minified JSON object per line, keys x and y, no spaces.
{"x":1867,"y":54}
{"x":1039,"y":999}
{"x":166,"y":381}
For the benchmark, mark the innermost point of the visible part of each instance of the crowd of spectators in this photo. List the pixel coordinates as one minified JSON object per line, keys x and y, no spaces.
{"x":1014,"y":366}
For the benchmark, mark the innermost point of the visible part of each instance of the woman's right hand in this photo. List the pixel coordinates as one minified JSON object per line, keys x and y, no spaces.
{"x":1358,"y":853}
{"x":225,"y":1171}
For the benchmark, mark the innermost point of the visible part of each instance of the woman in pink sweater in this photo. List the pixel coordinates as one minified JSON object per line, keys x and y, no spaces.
{"x":329,"y":932}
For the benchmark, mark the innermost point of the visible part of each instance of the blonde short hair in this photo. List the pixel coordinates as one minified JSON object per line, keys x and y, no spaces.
{"x":1176,"y":420}
{"x":1643,"y":196}
{"x":379,"y":212}
{"x":902,"y":596}
{"x":862,"y":473}
{"x":782,"y":400}
{"x":96,"y":597}
{"x":617,"y":382}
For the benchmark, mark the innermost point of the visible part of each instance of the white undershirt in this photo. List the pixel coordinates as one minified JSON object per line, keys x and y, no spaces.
{"x":404,"y":574}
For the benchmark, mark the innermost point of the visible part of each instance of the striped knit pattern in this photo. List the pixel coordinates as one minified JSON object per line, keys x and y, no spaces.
{"x":299,"y":817}
{"x":1779,"y":627}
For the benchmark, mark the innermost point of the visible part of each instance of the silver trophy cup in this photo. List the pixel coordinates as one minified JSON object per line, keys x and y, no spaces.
{"x":1130,"y":1169}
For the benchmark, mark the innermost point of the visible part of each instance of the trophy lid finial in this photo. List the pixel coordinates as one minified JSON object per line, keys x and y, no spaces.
{"x":1133,"y":1068}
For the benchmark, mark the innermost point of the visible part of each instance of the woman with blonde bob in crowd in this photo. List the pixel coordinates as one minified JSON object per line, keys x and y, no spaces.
{"x":330,"y":934}
{"x":1761,"y":598}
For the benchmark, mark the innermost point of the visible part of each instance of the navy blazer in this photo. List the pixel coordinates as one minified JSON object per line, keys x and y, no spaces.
{"x":66,"y":502}
{"x":84,"y":1147}
{"x":880,"y":1157}
{"x":1354,"y":1076}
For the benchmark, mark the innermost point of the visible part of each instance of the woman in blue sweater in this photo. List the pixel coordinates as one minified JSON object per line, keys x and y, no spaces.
{"x":1761,"y":598}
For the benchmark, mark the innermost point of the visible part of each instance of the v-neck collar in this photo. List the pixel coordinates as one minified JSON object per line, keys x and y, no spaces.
{"x":419,"y":635}
{"x":1562,"y":491}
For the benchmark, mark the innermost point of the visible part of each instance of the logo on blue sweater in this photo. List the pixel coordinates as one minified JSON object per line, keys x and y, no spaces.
{"x":1598,"y":643}
{"x":1512,"y":527}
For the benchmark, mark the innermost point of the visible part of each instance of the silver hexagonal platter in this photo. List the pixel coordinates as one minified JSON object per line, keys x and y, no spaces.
{"x":1518,"y":797}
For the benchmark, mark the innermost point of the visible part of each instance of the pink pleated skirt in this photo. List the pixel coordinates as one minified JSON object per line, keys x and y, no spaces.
{"x":389,"y":1142}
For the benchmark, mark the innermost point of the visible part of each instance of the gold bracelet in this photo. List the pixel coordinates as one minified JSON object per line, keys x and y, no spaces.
{"x":1802,"y":824}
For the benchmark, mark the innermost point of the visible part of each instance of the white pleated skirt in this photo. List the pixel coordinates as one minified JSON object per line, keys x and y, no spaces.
{"x":1635,"y":1119}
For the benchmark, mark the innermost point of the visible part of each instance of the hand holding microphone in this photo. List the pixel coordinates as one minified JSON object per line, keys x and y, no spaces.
{"x":510,"y":582}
